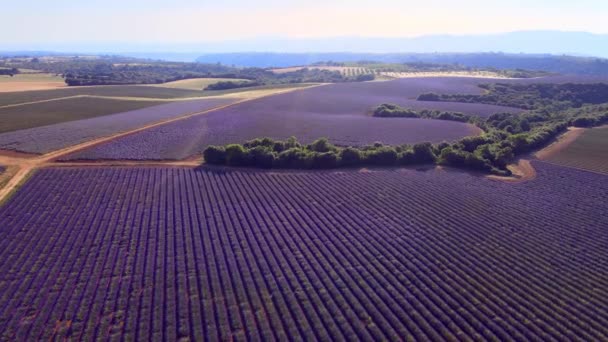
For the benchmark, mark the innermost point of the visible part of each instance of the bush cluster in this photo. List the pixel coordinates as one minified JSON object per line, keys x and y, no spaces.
{"x":320,"y":154}
{"x":388,"y":110}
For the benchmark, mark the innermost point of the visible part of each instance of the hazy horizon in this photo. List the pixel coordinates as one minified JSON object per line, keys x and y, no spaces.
{"x":65,"y":22}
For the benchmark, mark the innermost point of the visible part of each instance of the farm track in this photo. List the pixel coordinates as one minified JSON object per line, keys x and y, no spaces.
{"x":27,"y":163}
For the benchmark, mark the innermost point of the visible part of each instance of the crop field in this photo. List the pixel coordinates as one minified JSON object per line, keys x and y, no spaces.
{"x":47,"y":113}
{"x":196,"y":83}
{"x":339,"y":112}
{"x":30,"y":81}
{"x":589,"y":151}
{"x":175,"y":253}
{"x":56,"y":136}
{"x":189,"y":137}
{"x":130,"y":91}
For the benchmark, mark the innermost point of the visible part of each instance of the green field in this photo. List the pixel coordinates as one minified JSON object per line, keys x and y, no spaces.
{"x":589,"y":151}
{"x":125,"y":91}
{"x":52,"y":112}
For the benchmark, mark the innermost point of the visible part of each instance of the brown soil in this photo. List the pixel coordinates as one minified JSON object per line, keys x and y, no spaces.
{"x":561,"y":143}
{"x":8,"y":87}
{"x":522,"y":171}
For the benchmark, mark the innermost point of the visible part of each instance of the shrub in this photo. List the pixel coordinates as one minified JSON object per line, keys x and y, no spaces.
{"x":294,"y":158}
{"x":262,"y":157}
{"x":215,"y":155}
{"x":423,"y":153}
{"x":350,"y":157}
{"x":321,"y":145}
{"x":429,"y":97}
{"x":236,"y":155}
{"x":382,"y":156}
{"x":326,"y":160}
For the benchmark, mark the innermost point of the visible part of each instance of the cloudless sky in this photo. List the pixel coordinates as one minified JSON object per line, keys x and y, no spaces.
{"x":182,"y":21}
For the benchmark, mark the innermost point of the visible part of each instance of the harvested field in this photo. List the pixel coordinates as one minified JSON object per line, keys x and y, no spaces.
{"x":174,"y":253}
{"x":196,"y":83}
{"x":53,"y":112}
{"x":30,"y":81}
{"x":131,"y":91}
{"x":53,"y":137}
{"x":588,"y":151}
{"x":337,"y":111}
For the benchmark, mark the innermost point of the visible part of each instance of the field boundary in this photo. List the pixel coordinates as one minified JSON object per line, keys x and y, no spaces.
{"x":560,"y":143}
{"x":28,"y":165}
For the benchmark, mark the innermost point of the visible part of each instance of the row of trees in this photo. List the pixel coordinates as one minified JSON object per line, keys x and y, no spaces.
{"x":320,"y":154}
{"x":540,"y":96}
{"x":115,"y":70}
{"x":388,"y":110}
{"x":505,"y":136}
{"x":9,"y":71}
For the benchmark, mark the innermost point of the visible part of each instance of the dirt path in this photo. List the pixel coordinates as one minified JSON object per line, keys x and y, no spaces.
{"x":561,"y":143}
{"x":22,"y":165}
{"x":522,"y":171}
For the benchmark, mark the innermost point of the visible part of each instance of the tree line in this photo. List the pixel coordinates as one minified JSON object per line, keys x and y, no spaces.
{"x":505,"y":136}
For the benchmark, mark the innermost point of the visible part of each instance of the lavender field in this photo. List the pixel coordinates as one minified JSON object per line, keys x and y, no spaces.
{"x":53,"y":137}
{"x":339,"y":112}
{"x":185,"y":138}
{"x":176,"y":253}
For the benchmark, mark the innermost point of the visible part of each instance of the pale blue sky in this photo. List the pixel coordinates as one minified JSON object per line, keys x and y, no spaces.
{"x":182,"y":21}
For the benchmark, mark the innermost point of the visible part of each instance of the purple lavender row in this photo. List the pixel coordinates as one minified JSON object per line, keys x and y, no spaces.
{"x":190,"y":137}
{"x":337,"y":111}
{"x":52,"y":137}
{"x":168,"y":253}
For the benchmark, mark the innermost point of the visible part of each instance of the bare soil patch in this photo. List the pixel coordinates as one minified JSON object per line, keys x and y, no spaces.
{"x":561,"y":143}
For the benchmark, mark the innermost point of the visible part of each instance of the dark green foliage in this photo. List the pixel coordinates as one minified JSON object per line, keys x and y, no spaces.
{"x":459,"y":158}
{"x":423,"y":153}
{"x":388,"y":110}
{"x":223,"y":85}
{"x":215,"y":155}
{"x":321,"y":145}
{"x":469,"y":144}
{"x":325,"y":160}
{"x":9,"y":71}
{"x":533,"y":96}
{"x":382,"y":156}
{"x":294,"y":158}
{"x":262,"y":157}
{"x":237,"y":155}
{"x":429,"y":97}
{"x":350,"y":157}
